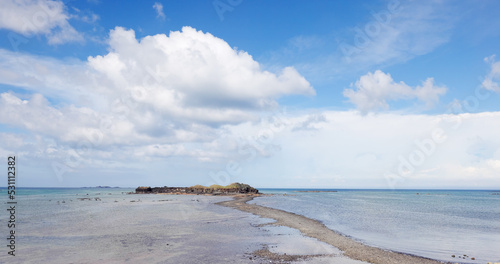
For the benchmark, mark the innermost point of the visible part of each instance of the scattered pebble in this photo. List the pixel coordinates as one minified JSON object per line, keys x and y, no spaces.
{"x":464,"y":256}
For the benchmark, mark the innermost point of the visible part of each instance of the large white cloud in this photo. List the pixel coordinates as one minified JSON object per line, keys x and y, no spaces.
{"x":33,"y":17}
{"x":386,"y":150}
{"x":322,"y":149}
{"x":373,"y":90}
{"x":185,"y":78}
{"x":145,"y":97}
{"x":192,"y":74}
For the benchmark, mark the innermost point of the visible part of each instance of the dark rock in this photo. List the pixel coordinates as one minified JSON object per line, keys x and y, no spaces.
{"x":234,"y":188}
{"x":142,"y":189}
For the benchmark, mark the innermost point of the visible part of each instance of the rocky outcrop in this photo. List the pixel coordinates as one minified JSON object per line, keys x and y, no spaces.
{"x":234,"y":188}
{"x":142,"y":189}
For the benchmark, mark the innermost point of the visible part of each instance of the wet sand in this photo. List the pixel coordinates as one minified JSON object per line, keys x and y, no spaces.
{"x":312,"y":228}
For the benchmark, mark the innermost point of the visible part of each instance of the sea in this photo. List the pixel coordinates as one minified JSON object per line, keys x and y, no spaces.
{"x":459,"y":226}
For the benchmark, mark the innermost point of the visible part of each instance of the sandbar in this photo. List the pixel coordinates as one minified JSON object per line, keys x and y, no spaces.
{"x":313,"y":228}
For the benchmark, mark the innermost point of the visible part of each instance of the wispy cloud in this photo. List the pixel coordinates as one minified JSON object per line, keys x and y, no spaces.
{"x":491,"y":81}
{"x":400,"y":32}
{"x":396,"y":32}
{"x":159,"y":10}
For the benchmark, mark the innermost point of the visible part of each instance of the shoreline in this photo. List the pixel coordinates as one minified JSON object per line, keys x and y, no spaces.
{"x":313,"y":228}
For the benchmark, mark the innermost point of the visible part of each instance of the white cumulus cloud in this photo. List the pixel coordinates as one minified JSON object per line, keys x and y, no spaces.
{"x":192,"y":76}
{"x":33,"y":17}
{"x":372,"y":91}
{"x":150,"y":95}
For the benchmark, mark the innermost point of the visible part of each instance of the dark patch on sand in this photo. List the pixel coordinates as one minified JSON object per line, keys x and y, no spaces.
{"x":264,"y":253}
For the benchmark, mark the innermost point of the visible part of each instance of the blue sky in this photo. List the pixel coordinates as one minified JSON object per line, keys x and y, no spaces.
{"x":333,"y":94}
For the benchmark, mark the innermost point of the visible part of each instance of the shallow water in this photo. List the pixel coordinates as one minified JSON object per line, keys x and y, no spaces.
{"x":95,"y":225}
{"x":433,"y":224}
{"x":109,"y":226}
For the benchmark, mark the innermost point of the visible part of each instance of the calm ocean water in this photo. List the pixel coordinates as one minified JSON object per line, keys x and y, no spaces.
{"x":27,"y":193}
{"x":434,"y":224}
{"x":430,"y":223}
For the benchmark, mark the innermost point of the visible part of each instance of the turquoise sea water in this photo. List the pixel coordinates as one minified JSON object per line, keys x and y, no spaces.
{"x":430,"y":223}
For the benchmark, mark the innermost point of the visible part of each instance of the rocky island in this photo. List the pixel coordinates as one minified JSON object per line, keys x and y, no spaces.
{"x":234,"y":188}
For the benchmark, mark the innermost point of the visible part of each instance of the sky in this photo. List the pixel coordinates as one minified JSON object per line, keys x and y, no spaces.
{"x":394,"y":94}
